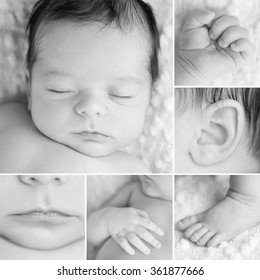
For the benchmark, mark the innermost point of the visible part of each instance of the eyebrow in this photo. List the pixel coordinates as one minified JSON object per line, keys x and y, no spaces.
{"x":55,"y":73}
{"x":127,"y":79}
{"x":130,"y":79}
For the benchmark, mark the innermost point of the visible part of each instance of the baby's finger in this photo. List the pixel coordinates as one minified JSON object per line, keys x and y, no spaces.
{"x":124,"y":244}
{"x":243,"y":46}
{"x":232,"y":34}
{"x":136,"y":241}
{"x":148,"y":237}
{"x":148,"y":224}
{"x":198,"y":18}
{"x":221,"y":24}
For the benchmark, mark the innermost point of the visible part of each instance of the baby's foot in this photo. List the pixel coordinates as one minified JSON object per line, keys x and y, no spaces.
{"x":234,"y":214}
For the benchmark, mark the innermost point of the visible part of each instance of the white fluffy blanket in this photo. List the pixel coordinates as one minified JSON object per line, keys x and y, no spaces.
{"x":154,"y":146}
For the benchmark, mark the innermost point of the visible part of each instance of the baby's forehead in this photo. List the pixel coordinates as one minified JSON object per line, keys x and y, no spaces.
{"x":90,"y":49}
{"x":65,"y":27}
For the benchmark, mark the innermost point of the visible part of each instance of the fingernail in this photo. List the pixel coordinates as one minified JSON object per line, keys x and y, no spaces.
{"x":222,"y":43}
{"x":158,"y":245}
{"x":132,"y":252}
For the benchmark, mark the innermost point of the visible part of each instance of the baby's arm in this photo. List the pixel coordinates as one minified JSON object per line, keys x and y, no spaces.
{"x":211,"y":45}
{"x":123,"y":224}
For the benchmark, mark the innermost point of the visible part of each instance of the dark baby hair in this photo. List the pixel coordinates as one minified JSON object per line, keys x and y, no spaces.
{"x":125,"y":14}
{"x":248,"y":97}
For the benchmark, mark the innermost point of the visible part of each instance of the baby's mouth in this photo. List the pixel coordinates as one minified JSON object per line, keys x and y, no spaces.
{"x":39,"y":213}
{"x":49,"y":216}
{"x":92,"y":136}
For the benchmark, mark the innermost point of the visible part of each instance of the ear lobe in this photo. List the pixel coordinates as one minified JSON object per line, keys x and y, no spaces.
{"x":220,"y":133}
{"x":28,"y":81}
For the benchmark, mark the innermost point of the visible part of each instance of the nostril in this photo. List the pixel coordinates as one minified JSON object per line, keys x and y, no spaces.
{"x":28,"y":180}
{"x":90,"y":107}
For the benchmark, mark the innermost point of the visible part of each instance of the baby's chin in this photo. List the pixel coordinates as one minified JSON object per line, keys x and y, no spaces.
{"x":92,"y":152}
{"x":42,"y":242}
{"x":89,"y":148}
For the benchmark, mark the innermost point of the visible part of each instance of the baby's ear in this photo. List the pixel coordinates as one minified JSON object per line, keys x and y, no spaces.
{"x":28,"y":81}
{"x":220,"y":133}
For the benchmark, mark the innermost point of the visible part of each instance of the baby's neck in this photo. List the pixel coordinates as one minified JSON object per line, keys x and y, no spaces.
{"x":11,"y":251}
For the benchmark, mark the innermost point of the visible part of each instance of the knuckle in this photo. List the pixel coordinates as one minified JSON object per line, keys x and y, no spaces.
{"x":121,"y":240}
{"x":131,"y":236}
{"x":147,"y":222}
{"x":234,"y":19}
{"x":142,"y":232}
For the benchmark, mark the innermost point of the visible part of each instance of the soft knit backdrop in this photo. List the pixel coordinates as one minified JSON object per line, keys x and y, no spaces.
{"x":154,"y":146}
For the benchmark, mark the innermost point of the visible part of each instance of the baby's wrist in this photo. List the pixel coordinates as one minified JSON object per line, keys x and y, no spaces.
{"x":104,"y":221}
{"x":186,"y":74}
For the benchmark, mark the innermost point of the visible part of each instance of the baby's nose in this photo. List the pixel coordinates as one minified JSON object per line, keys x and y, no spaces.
{"x":34,"y":180}
{"x":90,"y":106}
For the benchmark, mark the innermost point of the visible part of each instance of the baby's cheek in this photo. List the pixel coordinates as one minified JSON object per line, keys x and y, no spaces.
{"x":132,"y":127}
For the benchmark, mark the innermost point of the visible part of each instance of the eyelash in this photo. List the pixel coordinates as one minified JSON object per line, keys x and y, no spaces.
{"x":113,"y":95}
{"x":60,"y":91}
{"x":120,"y":96}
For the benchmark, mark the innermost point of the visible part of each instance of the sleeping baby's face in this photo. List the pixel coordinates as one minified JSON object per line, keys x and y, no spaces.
{"x":157,"y":186}
{"x":90,"y":86}
{"x":42,"y":212}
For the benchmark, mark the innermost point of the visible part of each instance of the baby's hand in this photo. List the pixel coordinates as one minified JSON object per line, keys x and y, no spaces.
{"x":130,"y":225}
{"x":211,"y":45}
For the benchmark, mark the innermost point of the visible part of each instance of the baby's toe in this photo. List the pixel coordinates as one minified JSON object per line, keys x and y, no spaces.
{"x":187,"y":222}
{"x":205,"y":238}
{"x":188,"y":232}
{"x":216,"y":240}
{"x":198,"y":234}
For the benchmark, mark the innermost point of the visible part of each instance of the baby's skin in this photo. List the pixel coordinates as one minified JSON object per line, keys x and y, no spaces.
{"x":11,"y":251}
{"x":237,"y":212}
{"x":42,"y":217}
{"x":212,"y":44}
{"x":24,"y":149}
{"x":126,"y":240}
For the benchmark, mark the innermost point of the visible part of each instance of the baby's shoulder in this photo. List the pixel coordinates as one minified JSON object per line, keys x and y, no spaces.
{"x":126,"y":163}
